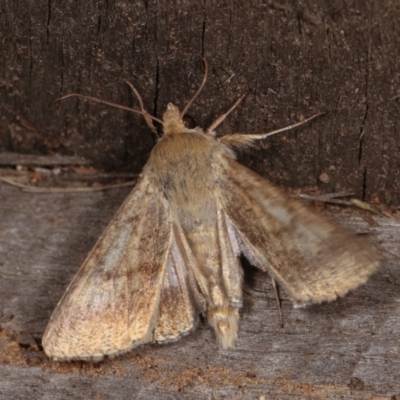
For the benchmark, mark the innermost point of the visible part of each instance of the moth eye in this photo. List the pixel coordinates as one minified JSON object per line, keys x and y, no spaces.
{"x":189,"y":122}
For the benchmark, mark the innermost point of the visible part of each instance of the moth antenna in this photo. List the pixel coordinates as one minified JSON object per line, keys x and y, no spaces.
{"x":222,"y":117}
{"x":109,"y":103}
{"x":278,"y":299}
{"x":146,"y":115}
{"x":203,"y":82}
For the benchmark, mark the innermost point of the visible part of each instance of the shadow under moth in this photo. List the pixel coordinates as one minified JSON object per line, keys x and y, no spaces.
{"x":172,"y":250}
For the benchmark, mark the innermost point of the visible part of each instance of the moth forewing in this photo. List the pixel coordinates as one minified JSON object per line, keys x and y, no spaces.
{"x":112,"y":303}
{"x":314,"y":259}
{"x":172,"y":250}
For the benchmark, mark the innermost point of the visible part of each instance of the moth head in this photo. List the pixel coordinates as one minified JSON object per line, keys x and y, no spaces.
{"x":172,"y":120}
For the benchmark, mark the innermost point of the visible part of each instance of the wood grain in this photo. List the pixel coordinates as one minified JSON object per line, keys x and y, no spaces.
{"x":296,"y":58}
{"x":345,"y":349}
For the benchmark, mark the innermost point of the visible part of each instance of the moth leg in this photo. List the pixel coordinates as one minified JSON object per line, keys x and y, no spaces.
{"x":145,"y":114}
{"x":240,"y":139}
{"x":222,"y":117}
{"x":278,"y":299}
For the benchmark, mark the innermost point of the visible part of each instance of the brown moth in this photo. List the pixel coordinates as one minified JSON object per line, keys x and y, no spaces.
{"x":172,"y":250}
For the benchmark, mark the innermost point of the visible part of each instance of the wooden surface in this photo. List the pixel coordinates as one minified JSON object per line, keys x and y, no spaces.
{"x":297,"y":58}
{"x":348,"y":349}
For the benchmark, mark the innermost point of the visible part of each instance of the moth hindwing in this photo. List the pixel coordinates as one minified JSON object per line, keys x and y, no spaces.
{"x":172,"y":250}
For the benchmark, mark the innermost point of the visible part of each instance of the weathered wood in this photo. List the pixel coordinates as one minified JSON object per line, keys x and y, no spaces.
{"x":297,"y":58}
{"x":346,"y":349}
{"x":8,"y":158}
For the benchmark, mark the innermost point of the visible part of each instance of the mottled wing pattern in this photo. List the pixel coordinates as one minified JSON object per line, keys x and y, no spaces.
{"x":313,"y":258}
{"x":113,"y":303}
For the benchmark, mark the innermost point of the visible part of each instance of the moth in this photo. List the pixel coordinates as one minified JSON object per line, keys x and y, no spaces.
{"x":171,"y":252}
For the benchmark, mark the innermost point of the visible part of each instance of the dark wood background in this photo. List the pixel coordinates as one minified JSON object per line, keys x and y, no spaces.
{"x":297,"y":58}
